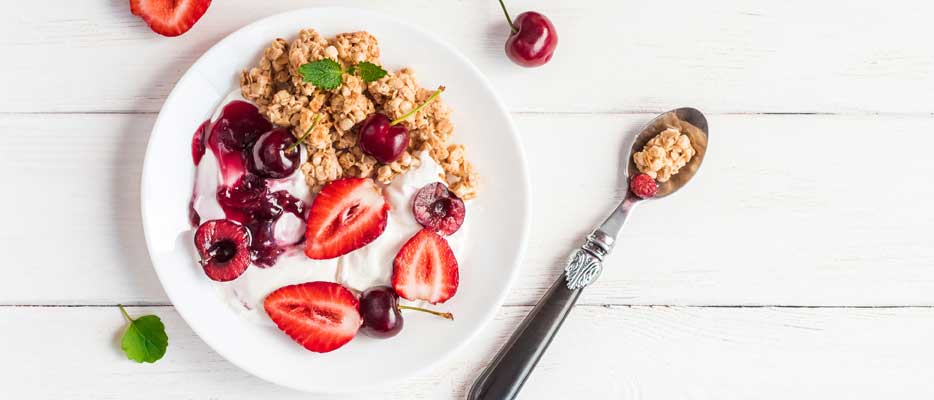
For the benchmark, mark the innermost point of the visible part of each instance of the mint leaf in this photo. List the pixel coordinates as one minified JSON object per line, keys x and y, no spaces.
{"x":369,"y":72}
{"x":325,"y":74}
{"x":144,"y":339}
{"x":352,"y":69}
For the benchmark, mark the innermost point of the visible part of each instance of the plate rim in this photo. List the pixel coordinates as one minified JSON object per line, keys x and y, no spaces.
{"x":524,"y":188}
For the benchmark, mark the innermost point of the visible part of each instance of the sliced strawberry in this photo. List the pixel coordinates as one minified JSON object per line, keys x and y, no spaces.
{"x":425,"y":269}
{"x":169,"y":17}
{"x":347,"y":215}
{"x":320,"y":316}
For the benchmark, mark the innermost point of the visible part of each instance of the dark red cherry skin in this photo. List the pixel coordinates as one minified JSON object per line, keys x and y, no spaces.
{"x":379,"y":307}
{"x":273,"y":155}
{"x":534,"y":40}
{"x":437,"y":208}
{"x":382,"y":140}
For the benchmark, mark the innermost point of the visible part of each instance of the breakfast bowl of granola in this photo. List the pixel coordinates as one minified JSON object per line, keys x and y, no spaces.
{"x":334,"y":200}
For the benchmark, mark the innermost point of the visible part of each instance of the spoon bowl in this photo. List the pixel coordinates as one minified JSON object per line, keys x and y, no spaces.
{"x":690,"y":122}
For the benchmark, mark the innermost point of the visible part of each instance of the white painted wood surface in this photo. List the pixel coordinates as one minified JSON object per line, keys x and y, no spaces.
{"x":792,"y":277}
{"x":724,"y":56}
{"x":630,"y":352}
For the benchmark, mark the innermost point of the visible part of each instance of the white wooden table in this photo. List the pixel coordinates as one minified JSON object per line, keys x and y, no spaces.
{"x":804,"y":267}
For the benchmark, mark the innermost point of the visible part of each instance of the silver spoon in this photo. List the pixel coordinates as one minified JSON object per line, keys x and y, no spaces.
{"x":504,"y":377}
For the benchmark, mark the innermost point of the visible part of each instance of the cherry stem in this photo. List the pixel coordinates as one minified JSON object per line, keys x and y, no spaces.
{"x":445,"y":315}
{"x":508,"y":19}
{"x":125,"y":315}
{"x":417,"y":109}
{"x":308,"y":132}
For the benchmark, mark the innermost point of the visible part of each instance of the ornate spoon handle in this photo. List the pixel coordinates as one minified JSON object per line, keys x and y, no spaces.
{"x":515,"y":361}
{"x":504,"y":377}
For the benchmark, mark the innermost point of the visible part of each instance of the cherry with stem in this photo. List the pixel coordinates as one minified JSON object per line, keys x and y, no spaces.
{"x":382,"y":313}
{"x":386,"y":140}
{"x":532,"y":38}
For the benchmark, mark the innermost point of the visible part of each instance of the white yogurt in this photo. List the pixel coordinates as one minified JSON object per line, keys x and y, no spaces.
{"x":372,"y":265}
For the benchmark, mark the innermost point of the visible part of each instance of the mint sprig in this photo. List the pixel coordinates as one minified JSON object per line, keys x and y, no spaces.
{"x":369,"y":72}
{"x":325,"y":74}
{"x":144,"y":339}
{"x":328,"y":74}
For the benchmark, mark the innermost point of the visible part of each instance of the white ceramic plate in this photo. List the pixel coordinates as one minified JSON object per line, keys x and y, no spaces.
{"x":499,"y":217}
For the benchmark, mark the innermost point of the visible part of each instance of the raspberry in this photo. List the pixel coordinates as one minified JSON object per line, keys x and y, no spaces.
{"x":643,"y":186}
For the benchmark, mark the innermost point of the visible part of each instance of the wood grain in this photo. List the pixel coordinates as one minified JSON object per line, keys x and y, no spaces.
{"x":613,"y":56}
{"x":602,"y":353}
{"x":787,"y":210}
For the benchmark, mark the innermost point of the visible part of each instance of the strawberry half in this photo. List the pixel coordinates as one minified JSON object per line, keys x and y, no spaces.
{"x":169,"y":17}
{"x":320,"y":316}
{"x":347,"y":215}
{"x":425,"y":269}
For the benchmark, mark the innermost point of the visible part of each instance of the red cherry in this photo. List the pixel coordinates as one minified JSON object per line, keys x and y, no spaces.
{"x":439,"y":209}
{"x":533,"y":39}
{"x":382,"y":313}
{"x":382,"y":140}
{"x":382,"y":317}
{"x":386,"y":140}
{"x":274,"y":155}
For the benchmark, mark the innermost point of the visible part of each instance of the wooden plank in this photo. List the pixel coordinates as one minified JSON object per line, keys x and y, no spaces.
{"x":802,"y":210}
{"x":727,"y":56}
{"x":602,"y":352}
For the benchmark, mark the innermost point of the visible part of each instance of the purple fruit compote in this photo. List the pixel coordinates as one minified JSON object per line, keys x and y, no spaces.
{"x":254,"y":163}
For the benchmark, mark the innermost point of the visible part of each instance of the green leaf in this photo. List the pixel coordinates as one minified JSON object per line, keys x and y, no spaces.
{"x":145,"y":339}
{"x":325,"y":74}
{"x":369,"y":72}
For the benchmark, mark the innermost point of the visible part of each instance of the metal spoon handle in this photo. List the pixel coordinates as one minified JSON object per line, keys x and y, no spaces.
{"x":503,"y":378}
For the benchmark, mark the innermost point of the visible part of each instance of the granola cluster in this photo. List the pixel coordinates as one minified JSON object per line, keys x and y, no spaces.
{"x":665,"y":154}
{"x":283,"y":96}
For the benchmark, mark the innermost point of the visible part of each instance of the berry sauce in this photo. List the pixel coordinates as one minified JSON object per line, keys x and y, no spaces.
{"x":243,"y":195}
{"x":197,"y":142}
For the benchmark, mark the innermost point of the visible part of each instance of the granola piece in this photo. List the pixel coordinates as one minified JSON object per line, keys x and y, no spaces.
{"x":399,"y":85}
{"x":322,"y":167}
{"x":355,"y":163}
{"x":459,"y":172}
{"x":256,"y":85}
{"x":259,"y":83}
{"x":354,"y":47}
{"x":319,"y":138}
{"x":349,"y":105}
{"x":665,"y":154}
{"x":284,"y":108}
